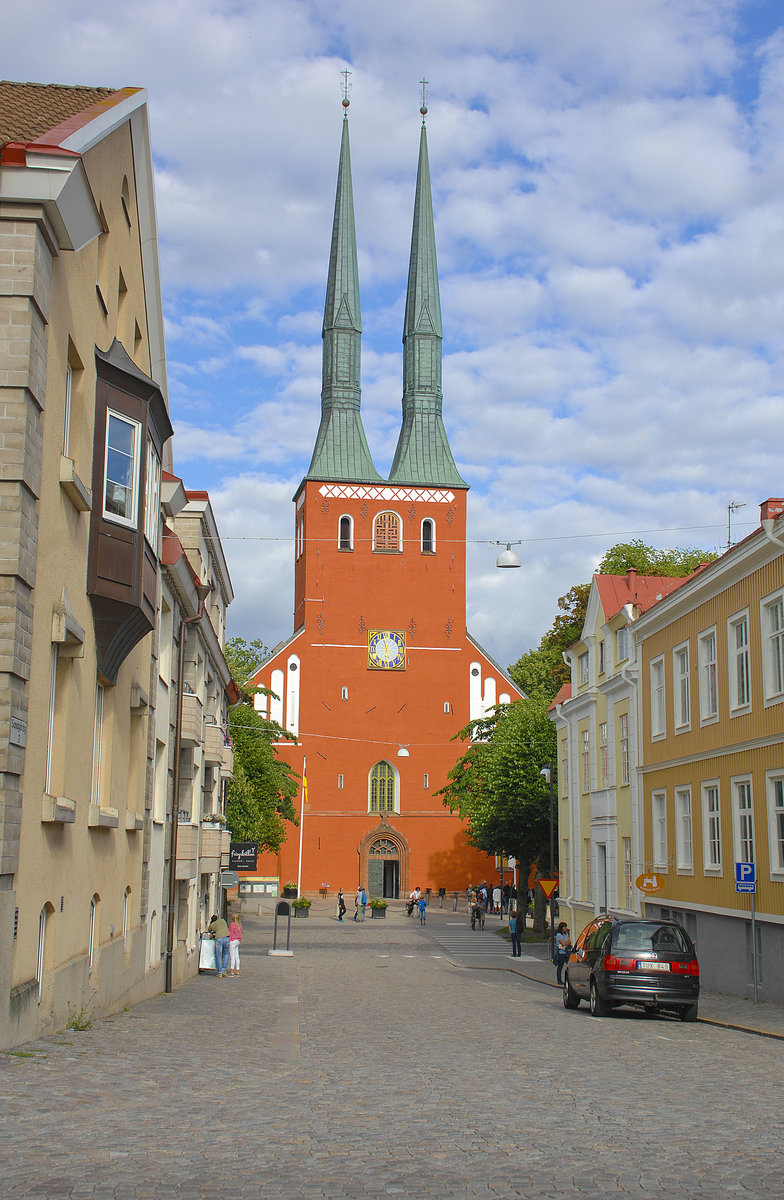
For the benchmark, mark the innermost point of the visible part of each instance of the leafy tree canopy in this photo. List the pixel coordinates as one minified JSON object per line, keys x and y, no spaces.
{"x":645,"y":560}
{"x":496,"y":785}
{"x":259,"y":799}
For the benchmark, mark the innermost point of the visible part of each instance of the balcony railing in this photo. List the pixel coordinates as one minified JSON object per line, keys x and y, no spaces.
{"x":603,"y":804}
{"x":213,"y":743}
{"x":227,"y":763}
{"x":192,"y":720}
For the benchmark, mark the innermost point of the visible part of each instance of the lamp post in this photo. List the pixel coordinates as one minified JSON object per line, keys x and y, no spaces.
{"x":547,"y":772}
{"x":508,"y":557}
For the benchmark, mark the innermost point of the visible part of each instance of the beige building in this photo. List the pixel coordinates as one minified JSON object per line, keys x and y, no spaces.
{"x":596,"y":716}
{"x":84,"y":791}
{"x":711,"y":663}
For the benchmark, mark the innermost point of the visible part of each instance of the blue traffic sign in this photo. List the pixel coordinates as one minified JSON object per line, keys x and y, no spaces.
{"x":745,"y":872}
{"x":745,"y":877}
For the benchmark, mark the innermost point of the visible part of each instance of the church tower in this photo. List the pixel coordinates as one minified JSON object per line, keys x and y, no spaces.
{"x":380,"y":672}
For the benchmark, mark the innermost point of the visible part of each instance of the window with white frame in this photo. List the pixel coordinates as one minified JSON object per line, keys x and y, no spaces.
{"x":91,"y":938}
{"x":622,"y":643}
{"x":711,"y":828}
{"x":773,"y":647}
{"x":582,"y":668}
{"x":680,"y":687}
{"x":602,"y":657}
{"x":121,"y":469}
{"x":67,"y":413}
{"x":775,"y":789}
{"x":709,"y":696}
{"x":564,"y":772}
{"x":628,"y":877}
{"x":624,"y":740}
{"x":588,"y":860}
{"x":564,"y":869}
{"x":659,"y":829}
{"x":152,"y":496}
{"x":684,"y":853}
{"x":50,"y":730}
{"x":658,"y":714}
{"x":586,"y":761}
{"x":743,"y":820}
{"x":41,"y":954}
{"x":604,"y":744}
{"x":428,"y":544}
{"x":346,"y":533}
{"x":738,"y":661}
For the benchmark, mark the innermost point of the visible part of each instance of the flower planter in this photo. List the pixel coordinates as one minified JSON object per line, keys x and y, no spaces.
{"x":378,"y":914}
{"x":300,"y":912}
{"x":290,"y":893}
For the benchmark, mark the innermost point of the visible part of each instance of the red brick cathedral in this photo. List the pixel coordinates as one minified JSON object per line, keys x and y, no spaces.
{"x":380,"y":672}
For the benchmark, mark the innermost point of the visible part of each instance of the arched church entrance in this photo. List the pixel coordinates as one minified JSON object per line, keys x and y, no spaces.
{"x":383,"y":862}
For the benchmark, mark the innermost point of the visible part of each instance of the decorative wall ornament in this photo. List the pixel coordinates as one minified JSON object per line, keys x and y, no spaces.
{"x":450,"y":514}
{"x":361,"y":626}
{"x":449,"y":625}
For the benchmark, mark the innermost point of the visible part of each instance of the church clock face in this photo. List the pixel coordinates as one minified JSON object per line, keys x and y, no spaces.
{"x":386,"y":650}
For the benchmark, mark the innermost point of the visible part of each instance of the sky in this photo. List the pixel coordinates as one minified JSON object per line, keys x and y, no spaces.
{"x":608,"y":187}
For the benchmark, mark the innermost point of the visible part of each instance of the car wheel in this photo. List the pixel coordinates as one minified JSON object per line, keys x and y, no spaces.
{"x":688,"y":1012}
{"x":599,"y":1007}
{"x":570,"y":997}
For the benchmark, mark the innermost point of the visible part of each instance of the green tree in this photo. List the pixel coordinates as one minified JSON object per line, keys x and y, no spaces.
{"x":496,"y":785}
{"x":645,"y":560}
{"x":259,"y":799}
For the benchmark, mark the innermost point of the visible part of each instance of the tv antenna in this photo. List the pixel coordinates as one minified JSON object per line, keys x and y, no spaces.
{"x":732,"y":507}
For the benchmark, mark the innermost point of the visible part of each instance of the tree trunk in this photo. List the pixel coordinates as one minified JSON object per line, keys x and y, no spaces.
{"x":540,"y":908}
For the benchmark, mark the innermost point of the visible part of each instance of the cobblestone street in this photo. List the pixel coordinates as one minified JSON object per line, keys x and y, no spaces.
{"x":375,"y":1064}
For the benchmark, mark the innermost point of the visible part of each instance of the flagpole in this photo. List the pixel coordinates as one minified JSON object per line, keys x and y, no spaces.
{"x":302,"y":823}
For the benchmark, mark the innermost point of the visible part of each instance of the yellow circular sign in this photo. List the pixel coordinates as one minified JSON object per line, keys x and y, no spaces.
{"x":650,"y":883}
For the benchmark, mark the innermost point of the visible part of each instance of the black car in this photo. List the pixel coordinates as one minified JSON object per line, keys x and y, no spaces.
{"x":632,"y":960}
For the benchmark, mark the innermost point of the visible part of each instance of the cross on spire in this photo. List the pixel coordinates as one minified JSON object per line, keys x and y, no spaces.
{"x":345,"y":87}
{"x":424,"y":84}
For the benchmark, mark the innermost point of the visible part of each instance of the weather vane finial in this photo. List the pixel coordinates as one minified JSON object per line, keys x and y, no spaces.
{"x":423,"y":83}
{"x":345,"y":87}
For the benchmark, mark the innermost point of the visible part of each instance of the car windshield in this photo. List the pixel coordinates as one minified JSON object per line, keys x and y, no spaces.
{"x":651,"y":938}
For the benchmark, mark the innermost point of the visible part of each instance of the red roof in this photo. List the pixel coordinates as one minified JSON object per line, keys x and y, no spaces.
{"x":643,"y":591}
{"x":564,"y":693}
{"x":44,"y":115}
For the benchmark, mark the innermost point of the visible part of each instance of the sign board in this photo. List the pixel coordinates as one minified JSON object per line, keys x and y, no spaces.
{"x":18,"y":732}
{"x":649,"y":884}
{"x":503,"y":862}
{"x":745,"y":877}
{"x":243,"y":856}
{"x":548,"y":886}
{"x":229,"y":879}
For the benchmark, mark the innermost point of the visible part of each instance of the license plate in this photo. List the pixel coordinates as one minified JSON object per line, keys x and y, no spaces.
{"x":645,"y":965}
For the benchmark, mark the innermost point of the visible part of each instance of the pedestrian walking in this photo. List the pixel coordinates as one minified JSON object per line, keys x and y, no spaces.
{"x":362,"y":902}
{"x":496,"y":900}
{"x":515,"y":933}
{"x":235,"y":937}
{"x":341,"y":904}
{"x":422,"y":909}
{"x":220,"y":931}
{"x":563,"y":948}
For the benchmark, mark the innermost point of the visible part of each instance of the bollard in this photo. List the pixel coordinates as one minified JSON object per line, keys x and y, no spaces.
{"x":441,"y":895}
{"x":454,"y":906}
{"x":282,"y":909}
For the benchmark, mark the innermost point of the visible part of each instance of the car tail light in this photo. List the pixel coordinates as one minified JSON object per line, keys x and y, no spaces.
{"x":686,"y":968}
{"x":612,"y":963}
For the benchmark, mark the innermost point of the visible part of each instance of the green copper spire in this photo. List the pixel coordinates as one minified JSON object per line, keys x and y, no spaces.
{"x":423,"y":455}
{"x":341,"y":451}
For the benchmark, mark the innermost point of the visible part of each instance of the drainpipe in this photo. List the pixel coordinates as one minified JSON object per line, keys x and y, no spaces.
{"x":202,"y":591}
{"x":767,"y":529}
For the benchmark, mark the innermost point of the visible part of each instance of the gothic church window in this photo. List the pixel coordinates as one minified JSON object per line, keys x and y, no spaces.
{"x":428,"y":536}
{"x":346,"y":534}
{"x":383,"y":789}
{"x":386,"y":532}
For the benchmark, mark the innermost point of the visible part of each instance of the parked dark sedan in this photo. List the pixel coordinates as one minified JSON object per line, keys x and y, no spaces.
{"x":631,"y":960}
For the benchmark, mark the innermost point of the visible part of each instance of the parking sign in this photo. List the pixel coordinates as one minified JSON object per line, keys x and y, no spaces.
{"x":745,"y":877}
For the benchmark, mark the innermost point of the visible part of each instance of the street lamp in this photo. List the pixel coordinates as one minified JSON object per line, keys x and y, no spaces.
{"x":508,"y":557}
{"x":547,"y":772}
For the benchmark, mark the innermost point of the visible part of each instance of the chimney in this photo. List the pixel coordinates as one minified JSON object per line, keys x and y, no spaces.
{"x":770,"y":508}
{"x":631,"y":578}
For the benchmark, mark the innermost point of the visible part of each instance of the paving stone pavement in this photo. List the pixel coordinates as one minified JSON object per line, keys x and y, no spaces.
{"x":374,"y":1063}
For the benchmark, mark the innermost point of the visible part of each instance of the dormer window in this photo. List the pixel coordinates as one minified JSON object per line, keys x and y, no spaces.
{"x":121,"y":475}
